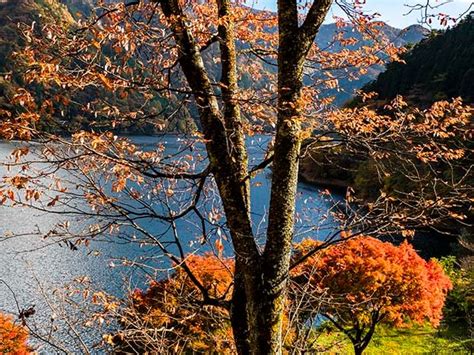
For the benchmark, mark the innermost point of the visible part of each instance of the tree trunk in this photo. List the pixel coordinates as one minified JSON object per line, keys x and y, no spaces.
{"x":255,"y":320}
{"x":260,"y":280}
{"x":358,"y":350}
{"x":360,"y":345}
{"x":363,"y":341}
{"x":294,"y":44}
{"x":238,"y":313}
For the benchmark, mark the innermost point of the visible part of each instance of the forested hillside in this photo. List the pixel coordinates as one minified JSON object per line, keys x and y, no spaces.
{"x":12,"y":13}
{"x":151,"y":114}
{"x":68,"y":111}
{"x":440,"y":67}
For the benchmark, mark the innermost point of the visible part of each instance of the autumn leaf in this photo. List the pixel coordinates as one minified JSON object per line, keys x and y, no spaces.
{"x":107,"y":84}
{"x":53,"y":202}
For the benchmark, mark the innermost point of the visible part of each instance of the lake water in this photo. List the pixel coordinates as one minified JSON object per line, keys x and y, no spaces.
{"x":32,"y":267}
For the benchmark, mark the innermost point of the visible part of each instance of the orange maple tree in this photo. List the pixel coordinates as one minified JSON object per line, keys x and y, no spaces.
{"x":172,"y":313}
{"x":175,"y":307}
{"x":366,"y":281}
{"x":13,"y":337}
{"x":355,"y":285}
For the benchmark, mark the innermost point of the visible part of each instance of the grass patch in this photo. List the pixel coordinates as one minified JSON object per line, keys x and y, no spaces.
{"x":388,"y":340}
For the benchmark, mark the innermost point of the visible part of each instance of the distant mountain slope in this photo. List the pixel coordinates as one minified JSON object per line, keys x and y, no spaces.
{"x":440,"y":67}
{"x":13,"y":12}
{"x":73,"y":116}
{"x":400,"y":37}
{"x":78,"y":8}
{"x":67,"y":12}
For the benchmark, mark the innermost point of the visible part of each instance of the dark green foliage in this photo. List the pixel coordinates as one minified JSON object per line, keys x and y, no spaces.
{"x":366,"y":182}
{"x":439,"y":67}
{"x":332,"y":167}
{"x":459,"y":307}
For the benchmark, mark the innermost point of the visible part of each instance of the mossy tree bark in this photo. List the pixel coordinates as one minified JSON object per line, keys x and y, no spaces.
{"x":260,"y":278}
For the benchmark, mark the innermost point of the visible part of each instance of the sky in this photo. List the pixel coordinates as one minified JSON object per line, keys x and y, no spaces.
{"x":393,"y":12}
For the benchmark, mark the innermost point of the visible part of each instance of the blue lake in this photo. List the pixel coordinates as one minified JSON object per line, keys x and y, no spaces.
{"x":32,"y":267}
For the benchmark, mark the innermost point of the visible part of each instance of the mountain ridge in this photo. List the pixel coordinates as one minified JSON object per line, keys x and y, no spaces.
{"x":12,"y":12}
{"x":437,"y":68}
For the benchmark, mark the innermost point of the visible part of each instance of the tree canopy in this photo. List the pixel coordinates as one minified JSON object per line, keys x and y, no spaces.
{"x":355,"y":284}
{"x":13,"y":337}
{"x":365,"y":281}
{"x":199,"y":52}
